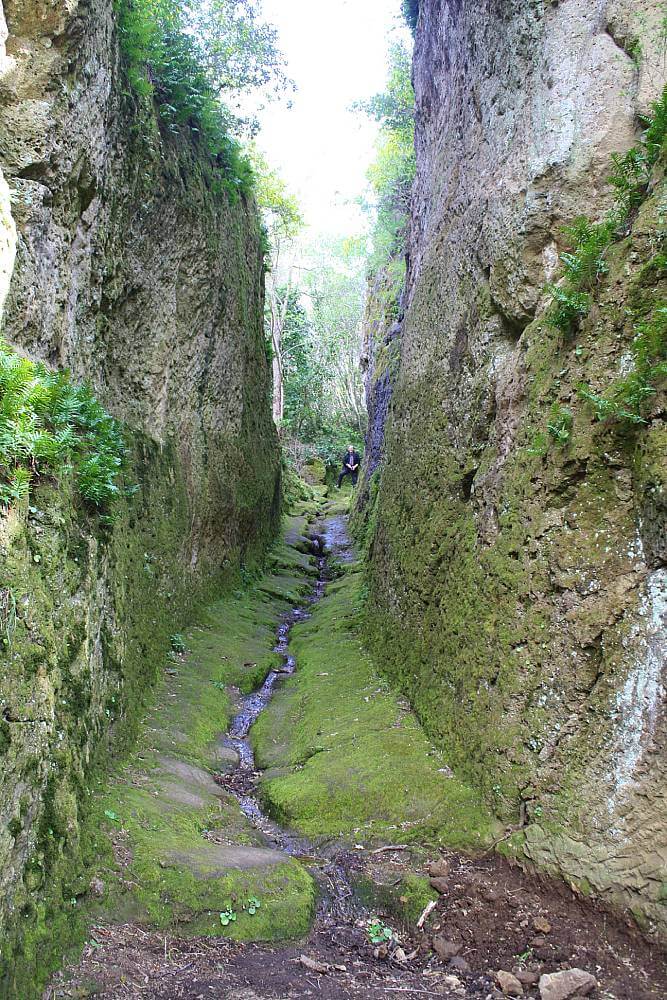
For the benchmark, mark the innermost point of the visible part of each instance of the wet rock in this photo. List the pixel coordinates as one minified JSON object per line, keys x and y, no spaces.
{"x":541,"y":925}
{"x":565,"y":984}
{"x":445,"y":949}
{"x":509,"y":984}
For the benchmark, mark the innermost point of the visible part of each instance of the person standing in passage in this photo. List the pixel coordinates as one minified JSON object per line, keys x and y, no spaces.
{"x":351,"y":463}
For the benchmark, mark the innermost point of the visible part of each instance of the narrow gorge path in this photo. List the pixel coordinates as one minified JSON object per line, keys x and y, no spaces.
{"x":281,"y":792}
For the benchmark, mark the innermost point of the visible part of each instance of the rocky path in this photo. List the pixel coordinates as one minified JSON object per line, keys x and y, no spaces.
{"x":281,"y":791}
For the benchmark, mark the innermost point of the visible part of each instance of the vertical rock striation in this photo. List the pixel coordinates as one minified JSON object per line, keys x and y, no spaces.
{"x":517,"y":580}
{"x":136,"y":270}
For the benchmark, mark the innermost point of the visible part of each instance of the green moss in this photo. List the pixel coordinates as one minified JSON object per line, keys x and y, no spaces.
{"x":178,"y":881}
{"x":403,"y":900}
{"x":148,"y":599}
{"x":177,"y":825}
{"x":315,"y":471}
{"x":344,"y":756}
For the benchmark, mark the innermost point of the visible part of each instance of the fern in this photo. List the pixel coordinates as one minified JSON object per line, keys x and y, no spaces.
{"x":627,"y":397}
{"x":19,"y":484}
{"x":50,"y":426}
{"x":584,"y":262}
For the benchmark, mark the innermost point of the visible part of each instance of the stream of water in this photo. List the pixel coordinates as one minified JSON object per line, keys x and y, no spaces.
{"x":328,"y":863}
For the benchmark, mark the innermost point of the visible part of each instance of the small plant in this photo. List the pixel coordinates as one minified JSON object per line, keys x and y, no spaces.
{"x":590,"y":240}
{"x":560,"y":424}
{"x":50,"y":426}
{"x":379,"y":932}
{"x":626,"y":398}
{"x":228,"y":915}
{"x":584,"y":262}
{"x":631,"y":172}
{"x":252,"y":905}
{"x":569,"y":307}
{"x":177,"y":643}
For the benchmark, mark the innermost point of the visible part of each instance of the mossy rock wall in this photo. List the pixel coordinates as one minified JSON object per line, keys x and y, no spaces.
{"x":138,"y":270}
{"x":517,"y":585}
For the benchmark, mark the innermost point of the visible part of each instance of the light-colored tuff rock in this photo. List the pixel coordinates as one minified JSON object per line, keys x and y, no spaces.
{"x":565,"y":984}
{"x":137,"y":271}
{"x":518,"y":586}
{"x":509,"y":984}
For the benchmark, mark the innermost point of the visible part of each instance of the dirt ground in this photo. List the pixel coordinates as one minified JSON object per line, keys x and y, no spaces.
{"x":493,"y":915}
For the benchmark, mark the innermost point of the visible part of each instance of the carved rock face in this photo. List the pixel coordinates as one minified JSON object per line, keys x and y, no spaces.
{"x":134,"y":270}
{"x":521,"y":577}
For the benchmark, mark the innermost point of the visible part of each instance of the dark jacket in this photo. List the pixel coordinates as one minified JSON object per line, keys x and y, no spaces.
{"x":351,"y":458}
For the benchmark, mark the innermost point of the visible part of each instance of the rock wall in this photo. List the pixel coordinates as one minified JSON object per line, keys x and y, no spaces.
{"x":136,"y":270}
{"x":518,"y":593}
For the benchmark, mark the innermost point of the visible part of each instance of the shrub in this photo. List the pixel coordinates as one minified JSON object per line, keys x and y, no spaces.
{"x":51,"y":426}
{"x":185,"y":56}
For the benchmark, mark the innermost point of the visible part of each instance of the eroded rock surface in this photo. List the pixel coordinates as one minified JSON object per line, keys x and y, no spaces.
{"x":518,"y":583}
{"x":136,"y":269}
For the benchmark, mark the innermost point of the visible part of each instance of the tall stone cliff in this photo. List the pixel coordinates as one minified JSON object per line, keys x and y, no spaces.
{"x":518,"y":587}
{"x":137,"y":271}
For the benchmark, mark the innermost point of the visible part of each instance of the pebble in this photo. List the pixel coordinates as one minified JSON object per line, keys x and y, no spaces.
{"x":538,"y":941}
{"x":526,"y":977}
{"x":445,"y":949}
{"x":459,"y":964}
{"x":438,"y":869}
{"x":566,"y":984}
{"x":509,"y":984}
{"x":541,"y":925}
{"x":439,"y":884}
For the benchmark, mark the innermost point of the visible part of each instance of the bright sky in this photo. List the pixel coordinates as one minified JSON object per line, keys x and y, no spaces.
{"x":336,"y":53}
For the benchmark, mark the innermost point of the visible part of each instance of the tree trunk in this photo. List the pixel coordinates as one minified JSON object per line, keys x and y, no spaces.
{"x":278,"y":389}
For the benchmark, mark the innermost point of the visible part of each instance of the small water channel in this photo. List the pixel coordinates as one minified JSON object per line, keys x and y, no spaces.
{"x":329,"y":864}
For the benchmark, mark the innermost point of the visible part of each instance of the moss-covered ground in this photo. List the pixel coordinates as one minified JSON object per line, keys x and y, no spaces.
{"x":344,"y":756}
{"x":184,"y":852}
